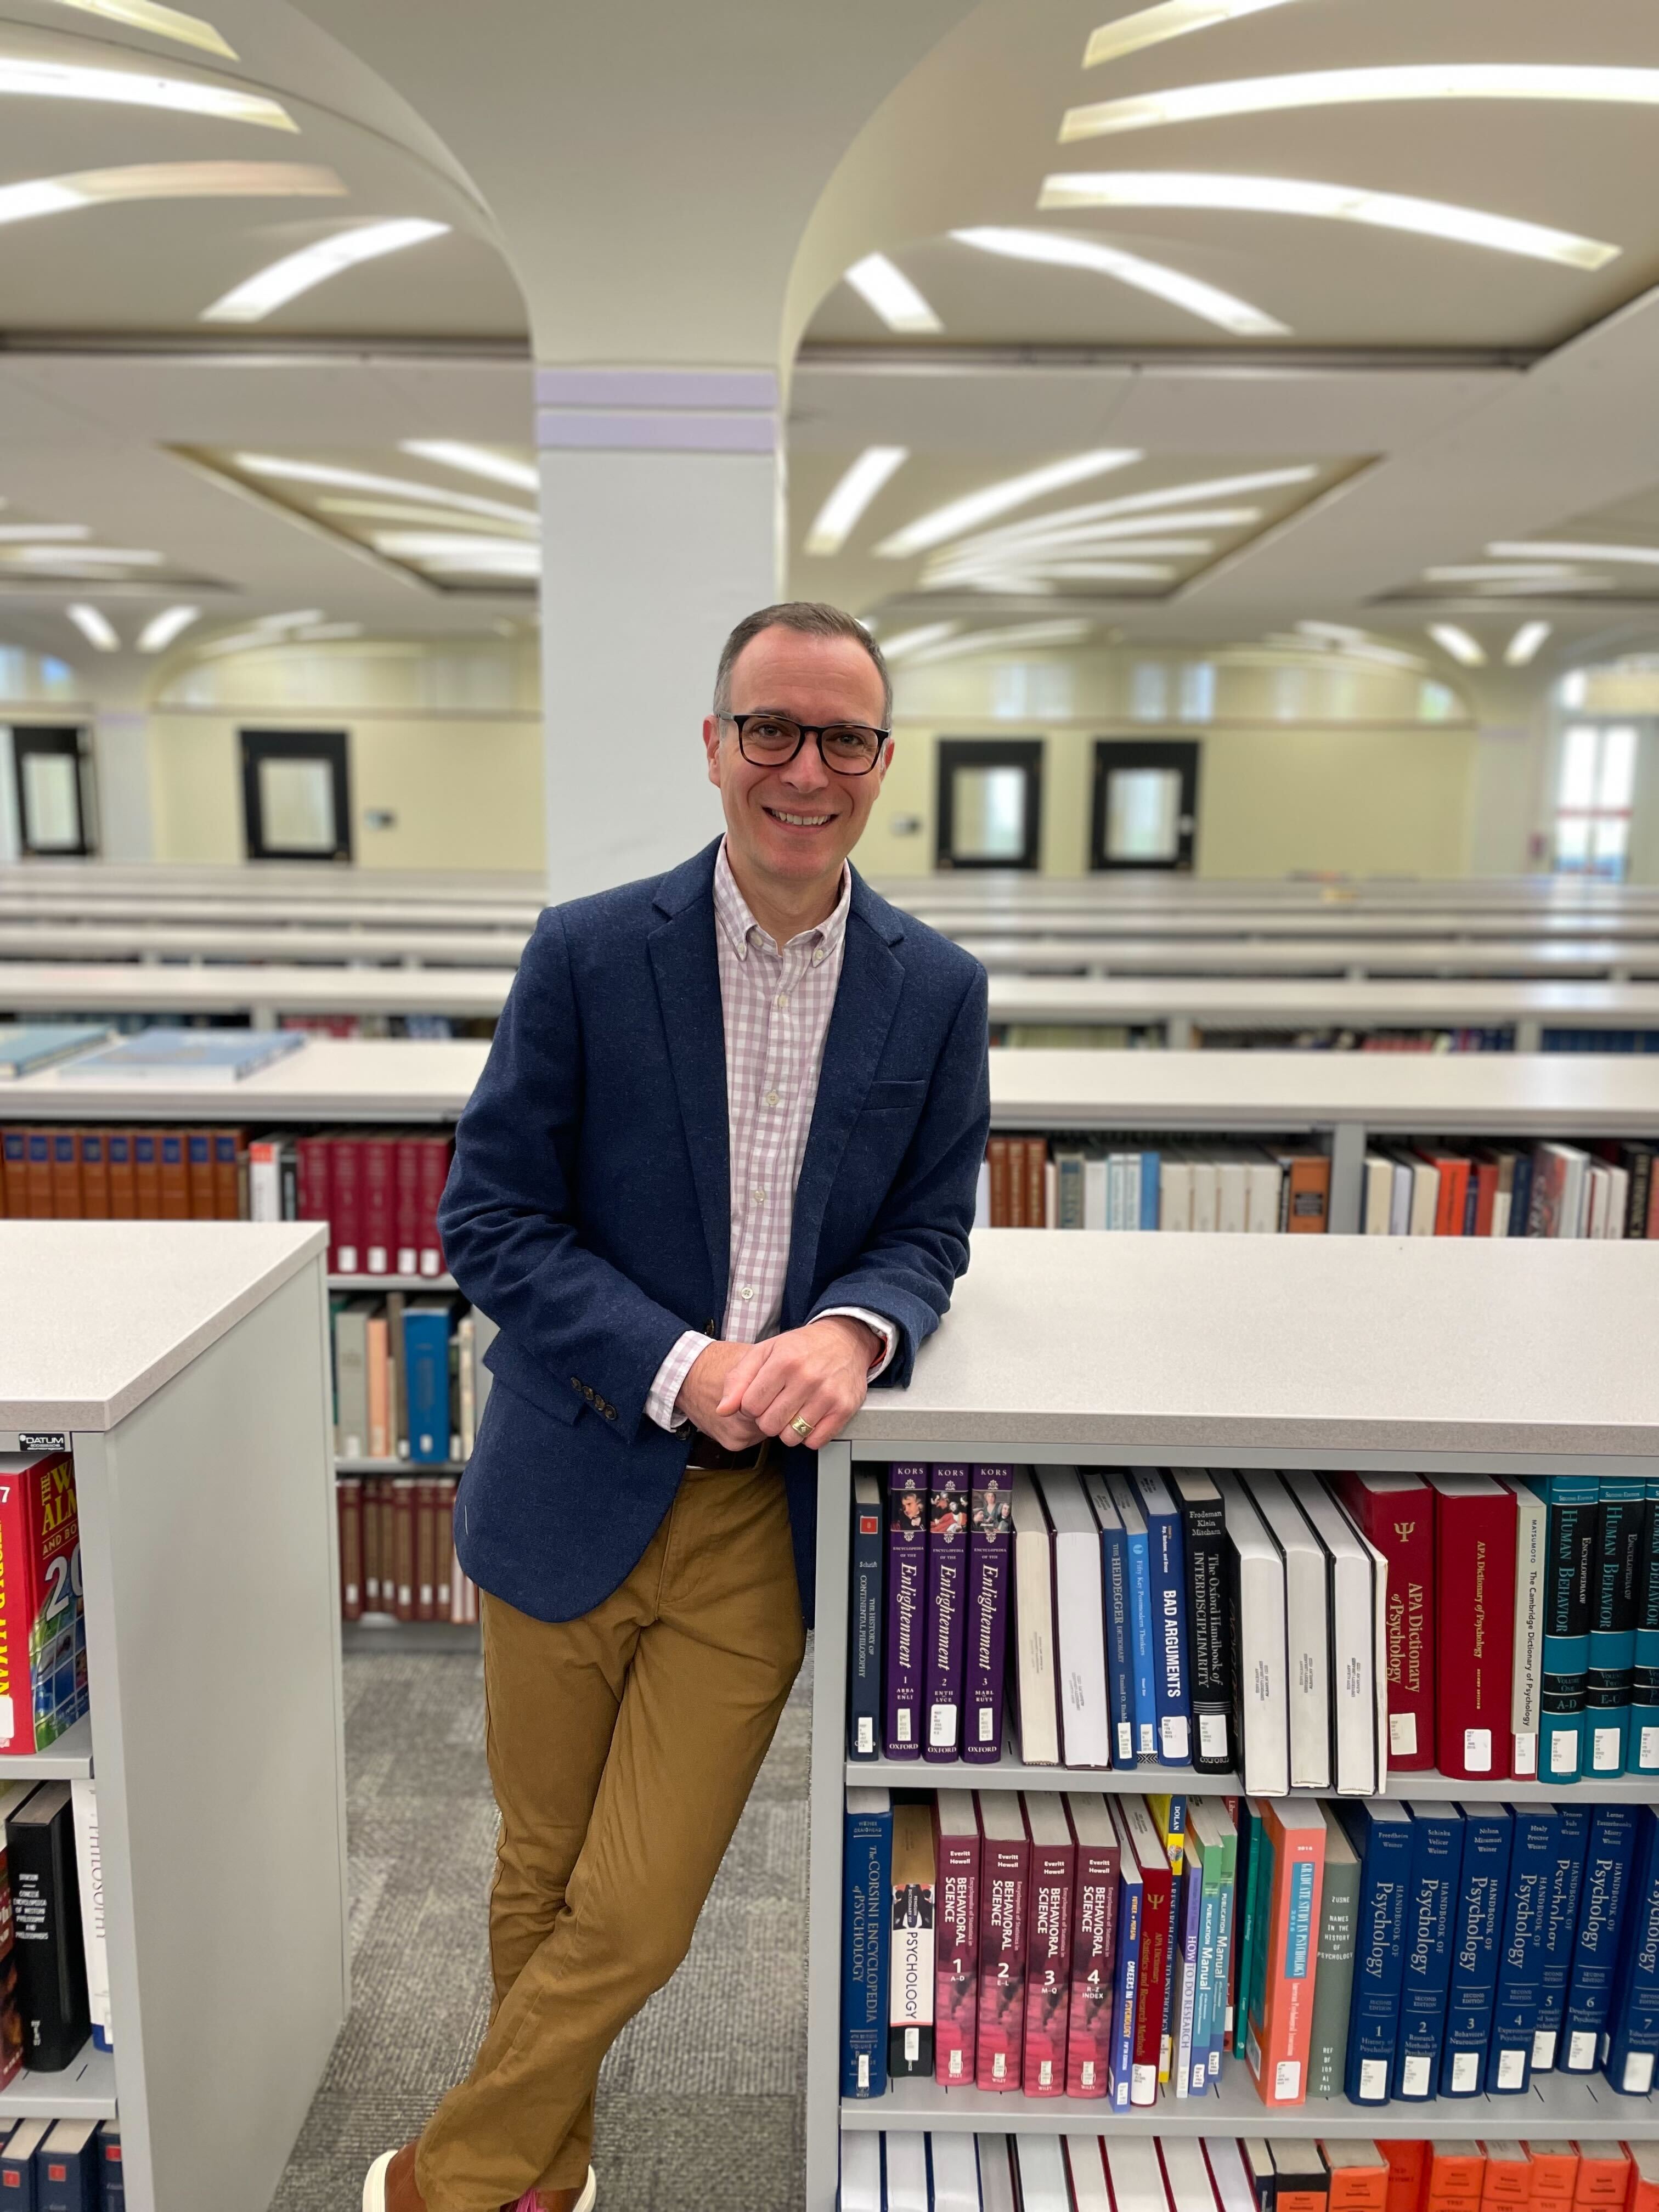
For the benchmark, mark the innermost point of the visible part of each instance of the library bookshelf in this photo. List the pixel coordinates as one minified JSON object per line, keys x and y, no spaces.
{"x":185,"y":1366}
{"x":1321,"y":1352}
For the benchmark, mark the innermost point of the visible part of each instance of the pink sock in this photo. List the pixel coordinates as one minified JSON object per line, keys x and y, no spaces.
{"x":528,"y":2202}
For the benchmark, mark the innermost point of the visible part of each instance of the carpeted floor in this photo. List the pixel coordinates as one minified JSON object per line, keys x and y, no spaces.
{"x":699,"y":2102}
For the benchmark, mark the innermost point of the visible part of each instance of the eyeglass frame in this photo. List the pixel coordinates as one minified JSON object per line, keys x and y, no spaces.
{"x":807,"y":730}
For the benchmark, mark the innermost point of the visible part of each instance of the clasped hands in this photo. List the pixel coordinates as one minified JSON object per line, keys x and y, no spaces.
{"x":738,"y":1393}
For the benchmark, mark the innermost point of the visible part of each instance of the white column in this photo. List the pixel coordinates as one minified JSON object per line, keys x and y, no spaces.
{"x":120,"y":749}
{"x":660,"y":516}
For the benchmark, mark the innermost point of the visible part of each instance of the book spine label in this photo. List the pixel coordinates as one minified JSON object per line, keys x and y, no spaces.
{"x":1094,"y":1933}
{"x":1047,"y":1969}
{"x":907,"y":1574}
{"x":947,"y":1564}
{"x":864,"y":1713}
{"x":986,"y":1644}
{"x":868,"y":1862}
{"x":1600,"y":1914}
{"x":1533,"y":1853}
{"x":1004,"y":1869}
{"x":1425,"y":1960}
{"x":1374,"y":2015}
{"x":1559,"y":1930}
{"x":1205,"y":1537}
{"x":1475,"y":1549}
{"x":956,"y":1960}
{"x":1475,"y":1934}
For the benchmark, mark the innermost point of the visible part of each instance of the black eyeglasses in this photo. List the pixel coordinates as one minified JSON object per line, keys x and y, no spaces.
{"x":773,"y":741}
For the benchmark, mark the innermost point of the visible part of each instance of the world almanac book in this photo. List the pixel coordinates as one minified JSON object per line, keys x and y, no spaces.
{"x":43,"y":1648}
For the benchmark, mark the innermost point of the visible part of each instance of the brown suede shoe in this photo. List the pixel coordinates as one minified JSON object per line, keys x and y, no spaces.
{"x":390,"y":2186}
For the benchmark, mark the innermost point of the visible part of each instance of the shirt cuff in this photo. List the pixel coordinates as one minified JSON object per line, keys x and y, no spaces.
{"x":666,"y":1388}
{"x":885,"y":1329}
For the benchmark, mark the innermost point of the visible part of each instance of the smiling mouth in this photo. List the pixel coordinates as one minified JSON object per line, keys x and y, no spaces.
{"x":799,"y":821}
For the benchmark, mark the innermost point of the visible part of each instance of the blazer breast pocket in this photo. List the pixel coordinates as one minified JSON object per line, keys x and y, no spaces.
{"x":895,"y":1097}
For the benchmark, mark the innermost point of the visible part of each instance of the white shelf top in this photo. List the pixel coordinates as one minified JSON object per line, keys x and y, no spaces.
{"x":83,"y":2090}
{"x":1327,"y":1345}
{"x":1530,"y":959}
{"x":1428,"y":1093}
{"x":68,"y":1759}
{"x":301,"y":942}
{"x":30,"y":986}
{"x":96,"y":1316}
{"x":1225,"y":1002}
{"x":412,"y":1079}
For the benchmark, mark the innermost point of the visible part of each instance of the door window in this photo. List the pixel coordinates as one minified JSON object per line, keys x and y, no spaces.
{"x":51,"y":800}
{"x":295,"y":795}
{"x":990,"y":802}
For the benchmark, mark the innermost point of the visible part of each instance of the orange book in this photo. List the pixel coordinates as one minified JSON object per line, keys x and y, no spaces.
{"x":175,"y":1174}
{"x":1360,"y":2176}
{"x":40,"y":1175}
{"x":1603,"y":2174}
{"x":122,"y":1179}
{"x":14,"y":1173}
{"x":1037,"y":1182}
{"x":996,"y":1153}
{"x":66,"y":1173}
{"x":1017,"y":1182}
{"x":1304,"y":1193}
{"x":94,"y":1176}
{"x":379,"y":1378}
{"x":198,"y":1172}
{"x":1554,"y":2172}
{"x":1643,"y":2177}
{"x":1281,"y":1995}
{"x":146,"y":1172}
{"x":1508,"y":2181}
{"x":229,"y":1172}
{"x":1456,"y":2172}
{"x":1408,"y":2171}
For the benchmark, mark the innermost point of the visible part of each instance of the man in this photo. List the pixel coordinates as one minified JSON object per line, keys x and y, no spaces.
{"x":718,"y":1176}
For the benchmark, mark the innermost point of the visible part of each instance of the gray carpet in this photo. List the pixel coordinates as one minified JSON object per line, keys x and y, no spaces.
{"x":699,"y":2102}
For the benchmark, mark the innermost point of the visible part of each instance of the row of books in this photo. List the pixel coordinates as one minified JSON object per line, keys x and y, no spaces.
{"x":62,"y":2165}
{"x":904,"y":2170}
{"x":1306,"y":1631}
{"x":410,"y":1379}
{"x":125,"y":1174}
{"x":1550,"y":1189}
{"x":1247,"y":1189}
{"x":378,"y":1191}
{"x":1072,"y":1944}
{"x":397,"y":1551}
{"x":54,"y":1971}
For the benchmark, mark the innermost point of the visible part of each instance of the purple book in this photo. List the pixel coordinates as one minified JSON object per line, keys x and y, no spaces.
{"x":947,"y":1624}
{"x":907,"y":1605}
{"x":989,"y":1537}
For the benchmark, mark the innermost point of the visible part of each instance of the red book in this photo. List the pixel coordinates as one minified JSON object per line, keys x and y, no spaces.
{"x":377,"y":1158}
{"x":956,"y":1927}
{"x":349,"y":1497}
{"x":1047,"y":1943}
{"x":1395,"y":1513}
{"x":229,"y":1154}
{"x":425,"y":1555}
{"x":1036,"y":1187}
{"x":1486,"y":1196}
{"x":94,"y":1176}
{"x":198,"y":1166}
{"x":66,"y":1173}
{"x":1408,"y":2173}
{"x":433,"y":1172}
{"x":43,"y":1648}
{"x":1474,"y":1624}
{"x":406,"y":1202}
{"x":1004,"y":1872}
{"x":15,"y":1173}
{"x":443,"y":1538}
{"x":1452,"y":1199}
{"x":345,"y":1206}
{"x":1094,"y":1945}
{"x":403,"y":1547}
{"x":311,"y":1177}
{"x":1157,"y":1883}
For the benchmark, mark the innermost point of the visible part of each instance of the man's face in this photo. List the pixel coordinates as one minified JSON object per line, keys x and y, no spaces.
{"x":796,"y":823}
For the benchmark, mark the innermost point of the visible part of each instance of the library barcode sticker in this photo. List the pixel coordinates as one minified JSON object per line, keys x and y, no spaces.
{"x":1543,"y":2050}
{"x":1605,"y":1750}
{"x":942,"y":1727}
{"x":986,"y":1721}
{"x":1173,"y":1732}
{"x":1213,"y":1736}
{"x":1564,"y":1752}
{"x":863,"y":2070}
{"x":902,"y":1726}
{"x":1402,"y":1735}
{"x":866,"y":1736}
{"x":1639,"y":2074}
{"x":912,"y":2045}
{"x":1477,"y":1750}
{"x":1414,"y":2075}
{"x":1526,"y":1753}
{"x":954,"y":2069}
{"x":1647,"y":1752}
{"x":1511,"y":2069}
{"x":1466,"y":2072}
{"x":1581,"y":2050}
{"x":1126,"y":1741}
{"x":1287,"y":2082}
{"x":1373,"y":2081}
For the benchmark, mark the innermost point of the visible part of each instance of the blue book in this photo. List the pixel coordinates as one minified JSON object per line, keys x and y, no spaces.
{"x":1120,"y":1652}
{"x":112,"y":2175}
{"x":1381,"y":1833}
{"x":1125,"y":1971}
{"x":1168,"y":1563}
{"x":1534,"y":1848}
{"x":1425,"y":1952}
{"x":30,"y":1045}
{"x":1607,"y":1858}
{"x":1633,"y":2015}
{"x":171,"y":1055}
{"x":1477,"y":1925}
{"x":1643,"y":1756}
{"x":864,"y":1624}
{"x":1619,"y":1532}
{"x":1559,"y":1930}
{"x":426,"y":1351}
{"x":17,"y":2170}
{"x":1521,"y":1194}
{"x":66,"y":2168}
{"x":1569,"y":1554}
{"x":1124,"y":1496}
{"x":867,"y":1881}
{"x":1151,"y":1166}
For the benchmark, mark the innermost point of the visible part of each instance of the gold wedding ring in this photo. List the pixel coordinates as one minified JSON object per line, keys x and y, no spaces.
{"x":801,"y":1425}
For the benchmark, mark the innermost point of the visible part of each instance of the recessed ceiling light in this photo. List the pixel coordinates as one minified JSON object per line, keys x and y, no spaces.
{"x":1039,"y":557}
{"x":1155,"y":188}
{"x":1062,"y":631}
{"x":261,"y":294}
{"x":893,"y":296}
{"x":428,"y":544}
{"x":162,"y":22}
{"x":95,"y":627}
{"x":167,"y":180}
{"x":976,"y":506}
{"x":1062,"y":521}
{"x":1522,"y":647}
{"x":1457,"y":643}
{"x":1150,"y":27}
{"x":475,"y":460}
{"x":1266,"y":95}
{"x":1110,"y":572}
{"x":242,"y":640}
{"x":100,"y":556}
{"x":160,"y":630}
{"x":911,"y":640}
{"x":1480,"y":572}
{"x":837,"y":518}
{"x":297,"y":620}
{"x":282,"y":466}
{"x":1642,"y":557}
{"x":385,"y":510}
{"x":25,"y":77}
{"x":12,"y":532}
{"x":1207,"y":301}
{"x":320,"y":633}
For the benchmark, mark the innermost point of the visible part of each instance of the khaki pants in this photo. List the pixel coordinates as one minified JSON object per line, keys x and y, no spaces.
{"x":622,"y":1749}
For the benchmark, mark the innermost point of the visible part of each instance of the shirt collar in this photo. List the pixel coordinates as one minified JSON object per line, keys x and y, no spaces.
{"x":731,"y":911}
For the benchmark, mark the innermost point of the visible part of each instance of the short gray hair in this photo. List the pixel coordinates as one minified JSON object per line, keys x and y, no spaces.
{"x":807,"y":618}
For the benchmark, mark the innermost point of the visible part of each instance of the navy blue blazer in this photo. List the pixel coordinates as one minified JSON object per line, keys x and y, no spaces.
{"x":588,"y":1212}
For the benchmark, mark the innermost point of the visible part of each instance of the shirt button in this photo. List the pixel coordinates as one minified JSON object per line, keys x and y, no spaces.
{"x":771,"y":1098}
{"x":782,"y":998}
{"x":817,"y":956}
{"x":745,"y":1289}
{"x":759,"y":1193}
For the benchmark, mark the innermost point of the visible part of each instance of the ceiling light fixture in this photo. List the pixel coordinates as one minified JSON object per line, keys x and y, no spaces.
{"x":261,"y":294}
{"x":98,"y":556}
{"x":15,"y":532}
{"x":431,"y":544}
{"x":475,"y":461}
{"x":1150,"y":27}
{"x":1040,"y":558}
{"x":1458,"y":642}
{"x":283,"y":467}
{"x":385,"y":510}
{"x":1060,"y":522}
{"x":297,"y":620}
{"x":1276,"y":95}
{"x":1480,"y":572}
{"x":1059,"y":632}
{"x":162,"y":22}
{"x":160,"y":630}
{"x":959,"y":516}
{"x":1333,"y":633}
{"x":95,"y":627}
{"x":166,"y":180}
{"x":912,"y":641}
{"x":322,"y":633}
{"x":1110,"y":572}
{"x":887,"y":289}
{"x":1522,"y":647}
{"x":1154,"y":188}
{"x":1642,"y":557}
{"x":839,"y":515}
{"x":24,"y":76}
{"x":1207,"y":301}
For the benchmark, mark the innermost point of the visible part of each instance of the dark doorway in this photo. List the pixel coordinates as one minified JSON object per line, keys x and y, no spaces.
{"x":296,"y":797}
{"x":990,"y":803}
{"x":53,"y":777}
{"x":1145,"y":804}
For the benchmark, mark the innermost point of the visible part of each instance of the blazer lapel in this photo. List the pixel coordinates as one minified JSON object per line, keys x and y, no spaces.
{"x":866,"y":1000}
{"x":687,"y":973}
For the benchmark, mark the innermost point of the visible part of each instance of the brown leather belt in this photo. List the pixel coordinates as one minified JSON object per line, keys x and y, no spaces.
{"x":706,"y":1453}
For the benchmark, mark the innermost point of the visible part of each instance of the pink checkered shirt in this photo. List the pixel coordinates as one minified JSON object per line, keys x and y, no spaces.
{"x":777,"y":1005}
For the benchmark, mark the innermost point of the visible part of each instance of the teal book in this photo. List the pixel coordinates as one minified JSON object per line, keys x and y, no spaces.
{"x":1620,"y":1518}
{"x":1641,"y":1754}
{"x":1569,"y":1548}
